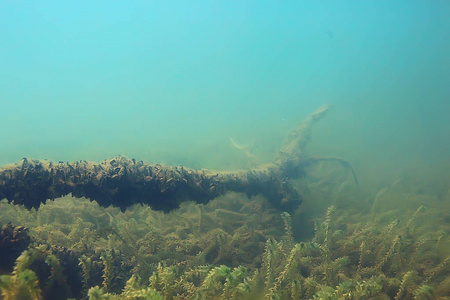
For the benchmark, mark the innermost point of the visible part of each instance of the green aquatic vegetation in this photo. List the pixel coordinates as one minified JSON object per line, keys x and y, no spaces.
{"x":157,"y":237}
{"x":134,"y":289}
{"x":352,"y":290}
{"x":234,"y":248}
{"x":443,"y":266}
{"x":407,"y":281}
{"x":85,"y":263}
{"x":285,"y":274}
{"x":424,"y":292}
{"x":24,"y":283}
{"x":326,"y":246}
{"x":163,"y":279}
{"x":370,"y":288}
{"x":372,"y":253}
{"x":222,"y":283}
{"x":20,"y":285}
{"x":288,"y":240}
{"x":96,"y":293}
{"x":108,"y":270}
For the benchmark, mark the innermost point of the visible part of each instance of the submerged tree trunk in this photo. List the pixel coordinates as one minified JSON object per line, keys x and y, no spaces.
{"x":123,"y":182}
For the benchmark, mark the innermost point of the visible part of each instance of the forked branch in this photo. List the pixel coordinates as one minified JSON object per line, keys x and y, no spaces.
{"x":123,"y":182}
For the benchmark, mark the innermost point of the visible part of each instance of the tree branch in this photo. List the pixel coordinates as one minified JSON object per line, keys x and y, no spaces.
{"x":123,"y":182}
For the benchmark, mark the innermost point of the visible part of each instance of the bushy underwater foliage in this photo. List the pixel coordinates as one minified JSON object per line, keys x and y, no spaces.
{"x":238,"y":248}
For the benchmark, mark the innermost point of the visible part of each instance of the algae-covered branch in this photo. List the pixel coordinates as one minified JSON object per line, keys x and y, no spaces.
{"x":123,"y":182}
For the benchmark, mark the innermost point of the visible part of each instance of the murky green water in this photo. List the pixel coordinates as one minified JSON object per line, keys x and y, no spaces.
{"x":218,"y":85}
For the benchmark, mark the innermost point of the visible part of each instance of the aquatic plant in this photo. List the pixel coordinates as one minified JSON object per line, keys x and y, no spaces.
{"x":13,"y":241}
{"x":23,"y":283}
{"x":423,"y":292}
{"x":20,"y":285}
{"x":39,"y":272}
{"x":235,"y":248}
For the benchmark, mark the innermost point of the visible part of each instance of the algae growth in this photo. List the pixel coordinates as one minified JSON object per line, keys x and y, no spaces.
{"x":359,"y":247}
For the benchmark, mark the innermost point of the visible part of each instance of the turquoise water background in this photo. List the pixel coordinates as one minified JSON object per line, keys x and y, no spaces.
{"x":172,"y":81}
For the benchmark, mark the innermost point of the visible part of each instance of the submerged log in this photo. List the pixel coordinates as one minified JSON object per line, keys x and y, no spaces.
{"x":122,"y":182}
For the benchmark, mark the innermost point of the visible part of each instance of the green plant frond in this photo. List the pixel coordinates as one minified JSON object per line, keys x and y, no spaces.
{"x":424,"y":292}
{"x":23,"y":284}
{"x":288,"y":239}
{"x":407,"y":280}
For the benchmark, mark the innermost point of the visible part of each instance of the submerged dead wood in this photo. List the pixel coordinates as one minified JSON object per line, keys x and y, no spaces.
{"x":123,"y":182}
